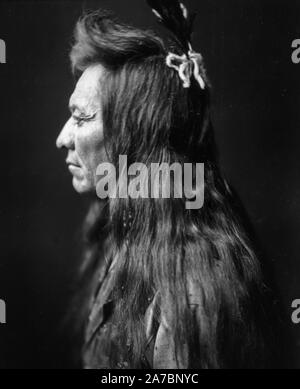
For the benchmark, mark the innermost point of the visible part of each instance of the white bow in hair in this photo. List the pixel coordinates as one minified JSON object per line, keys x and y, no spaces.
{"x":186,"y":67}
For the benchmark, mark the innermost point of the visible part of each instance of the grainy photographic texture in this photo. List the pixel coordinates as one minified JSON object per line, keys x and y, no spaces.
{"x":150,"y":184}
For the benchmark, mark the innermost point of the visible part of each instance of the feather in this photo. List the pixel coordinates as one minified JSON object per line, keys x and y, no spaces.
{"x":175,"y":17}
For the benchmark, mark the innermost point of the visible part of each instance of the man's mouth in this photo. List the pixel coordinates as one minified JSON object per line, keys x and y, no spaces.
{"x":74,"y":167}
{"x":72,"y":163}
{"x":75,"y":170}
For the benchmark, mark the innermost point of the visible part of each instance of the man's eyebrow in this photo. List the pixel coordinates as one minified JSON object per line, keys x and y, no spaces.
{"x":74,"y":107}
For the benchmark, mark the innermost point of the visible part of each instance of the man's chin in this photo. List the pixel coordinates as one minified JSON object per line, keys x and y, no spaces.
{"x":81,"y":186}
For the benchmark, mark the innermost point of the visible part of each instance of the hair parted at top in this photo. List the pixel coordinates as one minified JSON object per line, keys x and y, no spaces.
{"x":149,"y":116}
{"x":100,"y":37}
{"x":118,"y":43}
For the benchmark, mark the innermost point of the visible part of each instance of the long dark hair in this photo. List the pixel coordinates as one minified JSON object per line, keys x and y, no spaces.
{"x":150,"y":117}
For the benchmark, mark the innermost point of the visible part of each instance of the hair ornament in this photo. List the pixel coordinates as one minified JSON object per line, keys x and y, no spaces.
{"x":187,"y":66}
{"x":173,"y":15}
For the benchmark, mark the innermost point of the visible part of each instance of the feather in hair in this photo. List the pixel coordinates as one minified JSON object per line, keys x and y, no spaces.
{"x":175,"y":17}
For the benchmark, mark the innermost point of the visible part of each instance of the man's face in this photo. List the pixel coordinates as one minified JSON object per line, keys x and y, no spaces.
{"x":82,"y":135}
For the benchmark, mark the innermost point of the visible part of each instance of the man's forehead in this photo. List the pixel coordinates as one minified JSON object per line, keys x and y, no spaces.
{"x":86,"y":91}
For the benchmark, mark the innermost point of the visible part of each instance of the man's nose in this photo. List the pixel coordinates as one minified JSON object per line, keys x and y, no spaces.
{"x":66,"y":136}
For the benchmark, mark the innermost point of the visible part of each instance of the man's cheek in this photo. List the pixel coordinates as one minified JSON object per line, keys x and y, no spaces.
{"x":84,"y":147}
{"x":90,"y":153}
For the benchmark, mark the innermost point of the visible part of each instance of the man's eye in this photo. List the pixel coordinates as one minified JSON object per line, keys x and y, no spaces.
{"x":79,"y":120}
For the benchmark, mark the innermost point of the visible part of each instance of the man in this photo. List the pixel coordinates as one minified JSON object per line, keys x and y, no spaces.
{"x":164,"y":287}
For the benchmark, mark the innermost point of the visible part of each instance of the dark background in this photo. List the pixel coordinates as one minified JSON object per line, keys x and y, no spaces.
{"x":256,"y":101}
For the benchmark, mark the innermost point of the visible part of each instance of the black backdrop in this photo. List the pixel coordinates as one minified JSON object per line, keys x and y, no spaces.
{"x":256,"y":100}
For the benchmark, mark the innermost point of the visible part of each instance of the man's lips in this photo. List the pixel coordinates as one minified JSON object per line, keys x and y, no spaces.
{"x":72,"y":163}
{"x":74,"y":167}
